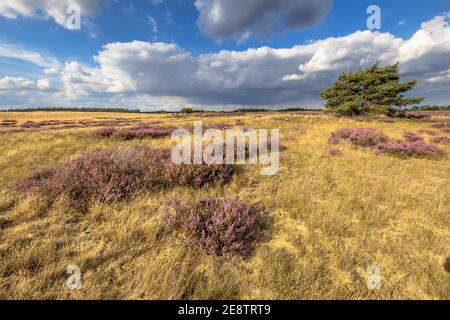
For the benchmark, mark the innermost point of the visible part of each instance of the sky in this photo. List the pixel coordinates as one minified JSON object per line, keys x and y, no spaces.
{"x":212,"y":54}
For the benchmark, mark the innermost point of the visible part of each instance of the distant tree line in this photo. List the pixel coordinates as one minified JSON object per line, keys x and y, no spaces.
{"x":117,"y":110}
{"x":186,"y":110}
{"x":430,"y":108}
{"x":189,"y":110}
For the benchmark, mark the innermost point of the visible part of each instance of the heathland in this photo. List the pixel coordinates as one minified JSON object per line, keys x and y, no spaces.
{"x":96,"y":190}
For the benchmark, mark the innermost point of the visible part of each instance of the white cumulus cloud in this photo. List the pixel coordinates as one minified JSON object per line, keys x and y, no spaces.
{"x":15,"y":84}
{"x":263,"y":76}
{"x":53,"y":9}
{"x":165,"y":75}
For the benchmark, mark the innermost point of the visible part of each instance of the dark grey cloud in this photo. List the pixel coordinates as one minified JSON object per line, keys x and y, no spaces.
{"x":240,"y":19}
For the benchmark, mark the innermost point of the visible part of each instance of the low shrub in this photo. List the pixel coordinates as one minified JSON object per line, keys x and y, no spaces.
{"x":440,"y":140}
{"x":334,"y":152}
{"x":246,"y":149}
{"x":200,"y":175}
{"x":412,"y":137}
{"x":31,"y":124}
{"x":108,"y":175}
{"x":218,"y":225}
{"x":221,"y":126}
{"x":418,"y":116}
{"x":115,"y":175}
{"x":104,"y":132}
{"x":441,"y":125}
{"x":364,"y":137}
{"x":408,"y":149}
{"x":414,"y":145}
{"x":140,"y":131}
{"x":153,"y":132}
{"x":125,"y":135}
{"x":444,"y":126}
{"x":387,"y":119}
{"x":37,"y":180}
{"x":13,"y":131}
{"x":8,"y":123}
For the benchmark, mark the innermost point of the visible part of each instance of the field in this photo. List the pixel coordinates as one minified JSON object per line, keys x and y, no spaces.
{"x":328,"y":215}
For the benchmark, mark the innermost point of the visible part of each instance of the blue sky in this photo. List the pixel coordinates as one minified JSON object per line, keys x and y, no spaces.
{"x":190,"y":29}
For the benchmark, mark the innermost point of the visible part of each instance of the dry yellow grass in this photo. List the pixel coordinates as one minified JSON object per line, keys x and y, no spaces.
{"x":331,"y":216}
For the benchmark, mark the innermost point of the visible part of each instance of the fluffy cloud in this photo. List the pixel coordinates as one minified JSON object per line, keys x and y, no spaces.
{"x":19,"y":91}
{"x":54,"y":9}
{"x":428,"y":49}
{"x":19,"y":84}
{"x":163,"y":75}
{"x":241,"y":19}
{"x":263,"y":76}
{"x":149,"y":68}
{"x":12,"y":83}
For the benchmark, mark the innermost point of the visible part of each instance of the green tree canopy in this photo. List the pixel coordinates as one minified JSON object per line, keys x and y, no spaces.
{"x":187,"y":110}
{"x":371,"y":91}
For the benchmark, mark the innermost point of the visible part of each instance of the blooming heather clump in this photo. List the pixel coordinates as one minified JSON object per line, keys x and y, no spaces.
{"x":412,"y":137}
{"x":407,"y":149}
{"x":334,"y":139}
{"x":200,"y":175}
{"x":334,"y":152}
{"x":125,"y":135}
{"x":31,"y":124}
{"x":218,"y":126}
{"x":153,"y":132}
{"x":364,"y":137}
{"x":414,"y":145}
{"x":218,"y":225}
{"x":388,"y":119}
{"x":116,"y":175}
{"x":109,"y":176}
{"x":8,"y":123}
{"x":440,"y":140}
{"x":104,"y":132}
{"x":442,"y":125}
{"x":37,"y":180}
{"x":140,"y":131}
{"x":221,"y":126}
{"x":5,"y":132}
{"x":418,"y":116}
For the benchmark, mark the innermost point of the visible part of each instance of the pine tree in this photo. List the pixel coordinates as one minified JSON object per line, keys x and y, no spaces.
{"x":372,"y":91}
